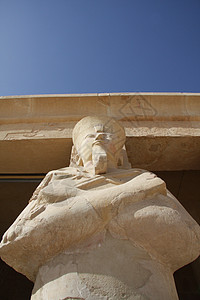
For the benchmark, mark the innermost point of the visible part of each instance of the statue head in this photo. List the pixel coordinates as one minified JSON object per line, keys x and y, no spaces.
{"x":98,"y":143}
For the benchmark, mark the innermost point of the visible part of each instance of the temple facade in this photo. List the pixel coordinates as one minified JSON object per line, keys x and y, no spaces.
{"x":162,"y":136}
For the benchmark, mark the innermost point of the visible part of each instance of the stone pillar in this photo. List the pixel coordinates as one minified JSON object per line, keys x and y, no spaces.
{"x":114,"y":269}
{"x":99,"y":229}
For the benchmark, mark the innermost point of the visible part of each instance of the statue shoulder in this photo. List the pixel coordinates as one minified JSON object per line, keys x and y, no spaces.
{"x":52,"y":176}
{"x":135,"y":174}
{"x":63,"y":171}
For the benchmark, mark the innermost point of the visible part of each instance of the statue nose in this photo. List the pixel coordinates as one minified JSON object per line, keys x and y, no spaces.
{"x":99,"y":136}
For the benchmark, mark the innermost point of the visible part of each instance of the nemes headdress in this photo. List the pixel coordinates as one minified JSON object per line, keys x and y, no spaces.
{"x":94,"y":124}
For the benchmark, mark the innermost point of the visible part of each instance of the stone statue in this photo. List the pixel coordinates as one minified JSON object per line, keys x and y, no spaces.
{"x":99,"y":229}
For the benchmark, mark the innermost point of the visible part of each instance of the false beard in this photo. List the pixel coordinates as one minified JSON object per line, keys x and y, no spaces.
{"x":99,"y":159}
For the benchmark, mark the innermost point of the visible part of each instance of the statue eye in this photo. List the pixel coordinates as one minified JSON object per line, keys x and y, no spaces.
{"x":90,"y":136}
{"x":109,"y":136}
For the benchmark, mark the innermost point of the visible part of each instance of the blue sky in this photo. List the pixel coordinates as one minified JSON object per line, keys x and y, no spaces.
{"x":95,"y":46}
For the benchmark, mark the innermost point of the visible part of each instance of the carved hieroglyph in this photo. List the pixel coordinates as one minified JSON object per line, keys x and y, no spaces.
{"x":100,"y":229}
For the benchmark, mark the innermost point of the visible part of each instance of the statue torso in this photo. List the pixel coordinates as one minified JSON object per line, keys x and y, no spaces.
{"x":131,"y":204}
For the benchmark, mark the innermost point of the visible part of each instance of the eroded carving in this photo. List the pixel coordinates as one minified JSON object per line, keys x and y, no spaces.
{"x":99,"y":229}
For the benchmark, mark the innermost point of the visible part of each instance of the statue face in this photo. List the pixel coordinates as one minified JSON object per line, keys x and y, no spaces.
{"x":98,"y":141}
{"x":98,"y":151}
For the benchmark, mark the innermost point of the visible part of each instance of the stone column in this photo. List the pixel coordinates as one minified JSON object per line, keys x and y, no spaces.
{"x":113,"y":269}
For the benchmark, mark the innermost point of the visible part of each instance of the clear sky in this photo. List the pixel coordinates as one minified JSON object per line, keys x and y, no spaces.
{"x":95,"y":46}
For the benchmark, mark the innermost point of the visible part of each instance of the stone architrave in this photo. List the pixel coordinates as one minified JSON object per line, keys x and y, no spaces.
{"x":99,"y":229}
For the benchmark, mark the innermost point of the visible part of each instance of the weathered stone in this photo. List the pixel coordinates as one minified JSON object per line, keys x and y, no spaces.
{"x":157,"y":126}
{"x":99,"y":229}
